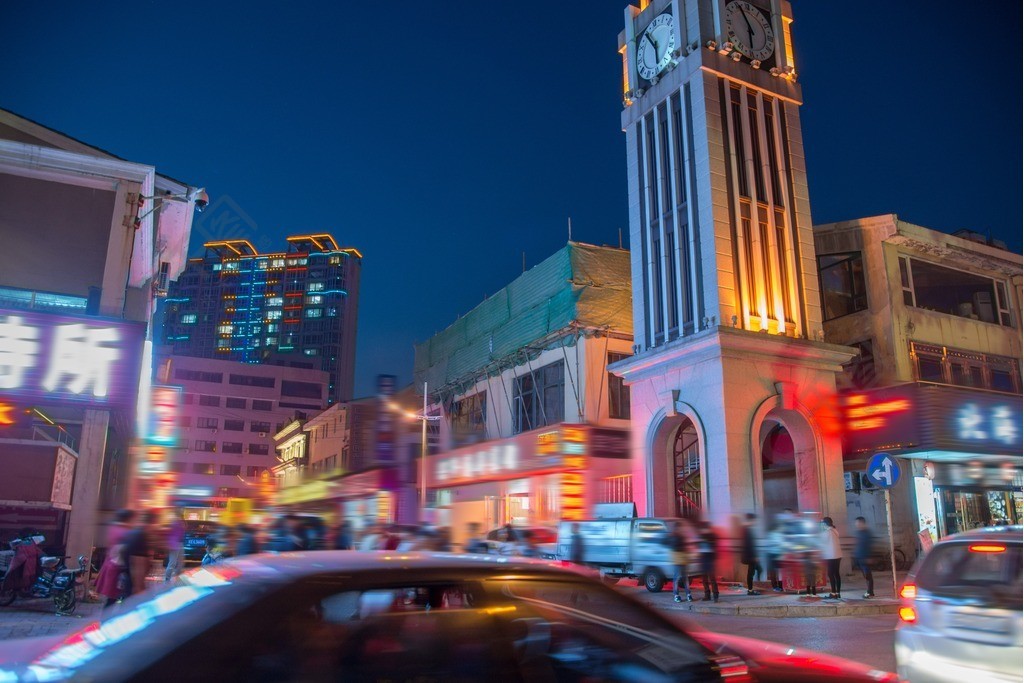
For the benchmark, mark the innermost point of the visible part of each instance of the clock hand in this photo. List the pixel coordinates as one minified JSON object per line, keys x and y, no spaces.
{"x":750,"y":28}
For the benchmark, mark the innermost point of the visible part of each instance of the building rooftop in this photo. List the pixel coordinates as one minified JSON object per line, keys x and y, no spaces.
{"x":580,"y":290}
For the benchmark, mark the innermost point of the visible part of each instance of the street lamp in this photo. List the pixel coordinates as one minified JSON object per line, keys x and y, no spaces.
{"x":424,"y":419}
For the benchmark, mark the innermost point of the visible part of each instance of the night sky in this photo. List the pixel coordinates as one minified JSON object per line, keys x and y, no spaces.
{"x":443,"y":140}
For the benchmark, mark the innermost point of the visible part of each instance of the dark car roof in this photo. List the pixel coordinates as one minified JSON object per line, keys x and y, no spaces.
{"x":307,"y":563}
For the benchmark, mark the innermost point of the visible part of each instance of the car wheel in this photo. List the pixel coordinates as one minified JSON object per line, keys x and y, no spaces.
{"x":7,"y":596}
{"x":66,"y":601}
{"x":653,"y":580}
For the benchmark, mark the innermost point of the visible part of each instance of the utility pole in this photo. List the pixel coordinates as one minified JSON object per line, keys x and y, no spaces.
{"x":423,"y":458}
{"x":424,"y":451}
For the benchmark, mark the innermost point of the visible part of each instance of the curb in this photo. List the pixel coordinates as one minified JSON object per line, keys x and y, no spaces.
{"x":810,"y":609}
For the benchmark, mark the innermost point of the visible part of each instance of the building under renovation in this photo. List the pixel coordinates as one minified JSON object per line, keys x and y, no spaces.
{"x":534,"y":428}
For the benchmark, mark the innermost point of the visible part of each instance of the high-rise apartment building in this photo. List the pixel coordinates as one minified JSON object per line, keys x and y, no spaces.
{"x":296,"y":307}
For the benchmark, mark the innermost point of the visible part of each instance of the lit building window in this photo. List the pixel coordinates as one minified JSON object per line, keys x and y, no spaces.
{"x":315,"y":299}
{"x":315,"y":287}
{"x":189,"y":318}
{"x":314,"y":312}
{"x":226,"y":329}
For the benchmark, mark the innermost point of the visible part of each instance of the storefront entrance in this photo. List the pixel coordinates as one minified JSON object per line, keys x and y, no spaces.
{"x":966,"y":509}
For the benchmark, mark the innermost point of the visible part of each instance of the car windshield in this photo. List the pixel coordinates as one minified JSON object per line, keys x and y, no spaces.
{"x":988,"y":571}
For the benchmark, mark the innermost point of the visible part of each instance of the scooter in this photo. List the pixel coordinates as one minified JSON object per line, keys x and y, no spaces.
{"x":53,"y":580}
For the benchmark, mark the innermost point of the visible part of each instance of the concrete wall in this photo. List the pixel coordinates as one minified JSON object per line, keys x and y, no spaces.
{"x":54,"y":235}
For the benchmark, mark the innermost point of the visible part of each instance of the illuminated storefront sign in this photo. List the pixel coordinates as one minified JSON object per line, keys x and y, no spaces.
{"x":163,"y":415}
{"x":55,"y":358}
{"x":565,"y":448}
{"x":485,"y":462}
{"x":153,"y":454}
{"x":194,"y":491}
{"x":927,"y":417}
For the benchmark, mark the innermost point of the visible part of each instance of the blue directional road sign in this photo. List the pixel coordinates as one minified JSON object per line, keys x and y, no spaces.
{"x":883,"y":470}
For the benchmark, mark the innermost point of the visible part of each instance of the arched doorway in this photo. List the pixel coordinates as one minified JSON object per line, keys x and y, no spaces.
{"x":687,"y":471}
{"x":778,"y":468}
{"x":677,"y":484}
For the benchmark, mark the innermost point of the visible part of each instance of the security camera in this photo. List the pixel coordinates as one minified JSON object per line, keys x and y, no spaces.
{"x":199,"y":198}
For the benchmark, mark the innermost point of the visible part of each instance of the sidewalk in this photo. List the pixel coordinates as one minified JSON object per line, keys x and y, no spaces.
{"x":38,"y":618}
{"x":733,"y":599}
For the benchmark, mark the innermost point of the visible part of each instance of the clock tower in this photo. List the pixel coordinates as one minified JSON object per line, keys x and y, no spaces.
{"x":733,"y":390}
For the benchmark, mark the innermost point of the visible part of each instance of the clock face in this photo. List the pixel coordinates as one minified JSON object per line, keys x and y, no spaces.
{"x":654,"y":51}
{"x":749,"y":30}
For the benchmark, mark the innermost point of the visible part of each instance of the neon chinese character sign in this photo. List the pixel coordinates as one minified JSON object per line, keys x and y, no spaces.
{"x":56,"y":359}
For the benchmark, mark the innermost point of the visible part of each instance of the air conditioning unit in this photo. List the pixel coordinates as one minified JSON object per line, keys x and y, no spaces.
{"x":162,"y":279}
{"x":851,"y":480}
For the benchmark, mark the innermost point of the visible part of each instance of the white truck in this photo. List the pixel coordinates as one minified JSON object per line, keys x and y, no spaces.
{"x":620,"y":545}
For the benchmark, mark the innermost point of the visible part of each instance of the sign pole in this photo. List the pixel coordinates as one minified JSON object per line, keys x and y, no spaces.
{"x":884,"y":471}
{"x":892,"y":542}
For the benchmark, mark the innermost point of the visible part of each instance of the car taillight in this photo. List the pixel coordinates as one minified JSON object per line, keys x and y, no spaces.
{"x":731,"y":667}
{"x":983,"y":548}
{"x":908,"y":614}
{"x":909,"y":591}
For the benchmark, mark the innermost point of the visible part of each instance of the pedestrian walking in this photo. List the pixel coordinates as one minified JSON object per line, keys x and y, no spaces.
{"x":112,"y":581}
{"x":748,"y":551}
{"x":774,"y":547}
{"x":247,"y":543}
{"x":175,"y":545}
{"x":832,"y":553}
{"x":862,"y":553}
{"x":343,"y":536}
{"x":577,"y":546}
{"x":138,"y":549}
{"x":678,"y":546}
{"x":707,"y":552}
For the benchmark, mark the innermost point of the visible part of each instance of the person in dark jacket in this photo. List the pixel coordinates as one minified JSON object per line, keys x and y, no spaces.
{"x":247,"y":543}
{"x":748,"y":551}
{"x":863,"y":541}
{"x":577,"y":547}
{"x":678,"y":546}
{"x":707,"y":549}
{"x":343,"y":536}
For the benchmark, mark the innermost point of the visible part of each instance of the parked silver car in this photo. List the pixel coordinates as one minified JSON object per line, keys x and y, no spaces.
{"x":960,"y":617}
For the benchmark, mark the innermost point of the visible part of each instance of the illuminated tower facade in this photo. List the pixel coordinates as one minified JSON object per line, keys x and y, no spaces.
{"x":732,"y":386}
{"x":295,"y":307}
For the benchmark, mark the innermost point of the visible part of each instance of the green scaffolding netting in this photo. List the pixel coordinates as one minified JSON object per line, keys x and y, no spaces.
{"x":580,"y":289}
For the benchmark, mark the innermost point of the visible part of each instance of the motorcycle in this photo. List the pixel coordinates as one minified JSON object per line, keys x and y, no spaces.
{"x":53,"y":580}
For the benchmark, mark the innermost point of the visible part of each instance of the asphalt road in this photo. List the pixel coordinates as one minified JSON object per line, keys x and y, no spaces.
{"x":868,"y":640}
